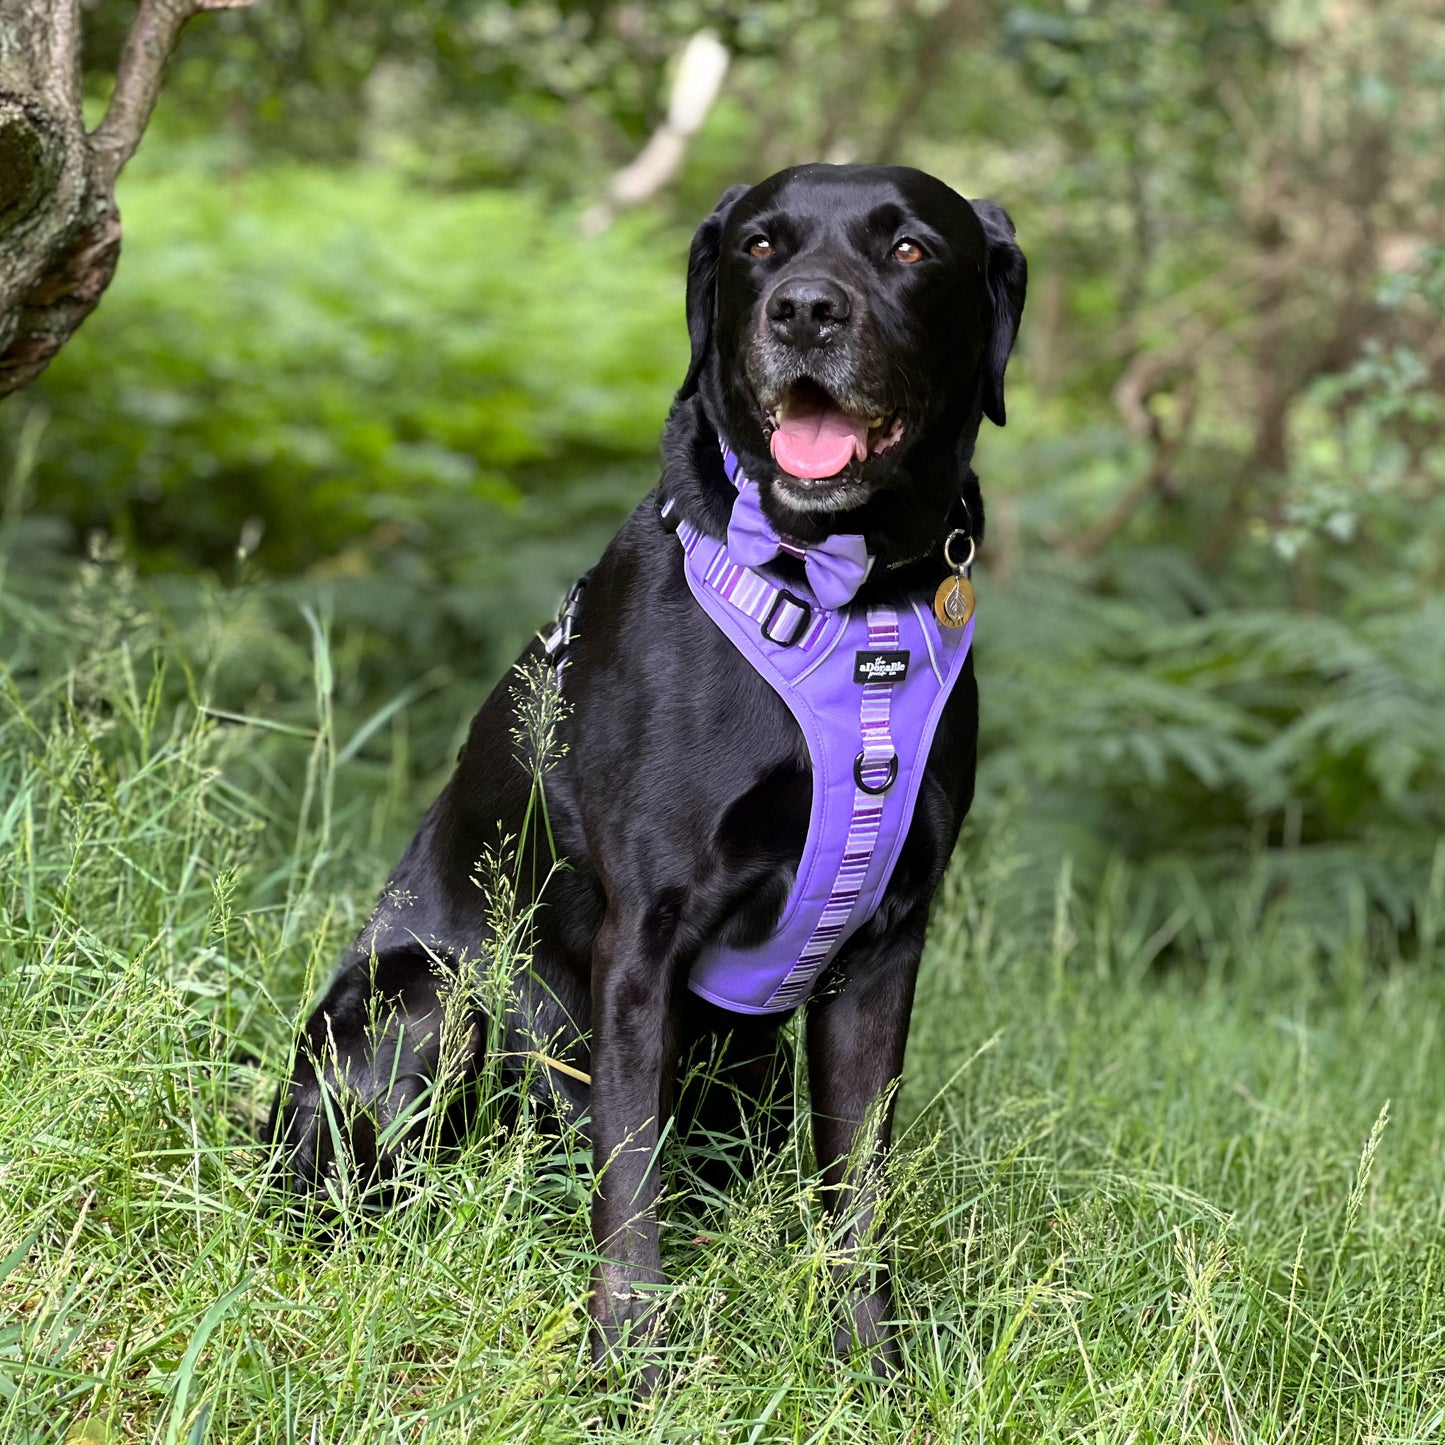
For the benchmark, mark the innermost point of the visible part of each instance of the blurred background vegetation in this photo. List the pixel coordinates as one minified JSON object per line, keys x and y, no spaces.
{"x":380,"y":362}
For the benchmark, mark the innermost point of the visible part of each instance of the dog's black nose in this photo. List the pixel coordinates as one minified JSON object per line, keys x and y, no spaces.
{"x":805,"y":311}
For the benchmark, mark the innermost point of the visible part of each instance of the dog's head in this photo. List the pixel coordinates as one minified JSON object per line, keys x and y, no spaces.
{"x":850,"y":325}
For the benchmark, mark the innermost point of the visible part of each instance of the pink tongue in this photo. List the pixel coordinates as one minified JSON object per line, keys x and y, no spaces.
{"x":819,"y":443}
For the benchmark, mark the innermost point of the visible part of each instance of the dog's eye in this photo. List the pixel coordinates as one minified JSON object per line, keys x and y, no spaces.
{"x":908,"y":251}
{"x":760,"y":247}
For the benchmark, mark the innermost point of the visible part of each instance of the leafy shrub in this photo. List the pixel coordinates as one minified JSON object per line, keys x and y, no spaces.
{"x":425,"y":412}
{"x":333,"y":356}
{"x":1288,"y":759}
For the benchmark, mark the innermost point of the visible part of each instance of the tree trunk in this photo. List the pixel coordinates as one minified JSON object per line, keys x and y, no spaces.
{"x":59,"y":226}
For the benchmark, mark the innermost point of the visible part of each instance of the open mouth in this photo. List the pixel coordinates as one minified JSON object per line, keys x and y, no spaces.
{"x":814,"y":437}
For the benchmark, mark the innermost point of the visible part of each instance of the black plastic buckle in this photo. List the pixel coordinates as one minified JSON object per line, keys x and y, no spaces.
{"x":777,"y":606}
{"x":887,"y":782}
{"x":669,"y":513}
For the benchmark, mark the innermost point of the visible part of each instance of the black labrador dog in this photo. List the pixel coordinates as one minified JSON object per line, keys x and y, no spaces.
{"x":881,"y":304}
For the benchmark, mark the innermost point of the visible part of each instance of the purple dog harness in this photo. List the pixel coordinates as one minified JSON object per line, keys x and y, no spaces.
{"x":867,"y":686}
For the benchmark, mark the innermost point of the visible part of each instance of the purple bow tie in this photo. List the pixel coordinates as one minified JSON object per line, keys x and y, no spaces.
{"x":836,"y":567}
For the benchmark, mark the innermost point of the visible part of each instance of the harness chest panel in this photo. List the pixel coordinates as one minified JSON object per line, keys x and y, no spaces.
{"x":867,"y":685}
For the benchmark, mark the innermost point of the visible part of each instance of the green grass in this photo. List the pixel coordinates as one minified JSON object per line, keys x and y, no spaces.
{"x":1177,"y":1186}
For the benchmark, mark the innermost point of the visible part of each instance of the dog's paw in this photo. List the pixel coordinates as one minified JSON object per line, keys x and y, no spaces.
{"x":627,"y":1327}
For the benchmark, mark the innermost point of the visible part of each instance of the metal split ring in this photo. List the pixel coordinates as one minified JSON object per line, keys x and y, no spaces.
{"x":967,"y":562}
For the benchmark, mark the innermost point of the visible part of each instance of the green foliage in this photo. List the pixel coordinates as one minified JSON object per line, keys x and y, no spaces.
{"x":1261,"y":718}
{"x":1286,"y":757}
{"x":336,"y":351}
{"x":1372,"y":439}
{"x":429,"y":409}
{"x":466,"y":91}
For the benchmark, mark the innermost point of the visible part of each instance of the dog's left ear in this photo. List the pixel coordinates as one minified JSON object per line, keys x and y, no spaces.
{"x":1007,"y":276}
{"x":702,"y":264}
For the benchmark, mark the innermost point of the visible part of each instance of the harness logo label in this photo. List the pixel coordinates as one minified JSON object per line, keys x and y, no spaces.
{"x":880,"y":666}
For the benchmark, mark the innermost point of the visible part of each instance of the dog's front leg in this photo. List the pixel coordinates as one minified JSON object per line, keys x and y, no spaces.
{"x":634,"y":1059}
{"x":856,"y":1038}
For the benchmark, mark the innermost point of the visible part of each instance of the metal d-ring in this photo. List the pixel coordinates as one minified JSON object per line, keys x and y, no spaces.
{"x":882,"y":787}
{"x":959,"y":567}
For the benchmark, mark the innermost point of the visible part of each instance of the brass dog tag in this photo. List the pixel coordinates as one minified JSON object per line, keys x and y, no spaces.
{"x":953,"y":602}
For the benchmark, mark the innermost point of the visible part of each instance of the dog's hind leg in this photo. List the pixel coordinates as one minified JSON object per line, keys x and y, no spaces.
{"x":385,"y":1045}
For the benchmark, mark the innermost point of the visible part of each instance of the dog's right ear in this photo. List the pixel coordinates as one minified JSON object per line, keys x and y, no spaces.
{"x":702,"y":264}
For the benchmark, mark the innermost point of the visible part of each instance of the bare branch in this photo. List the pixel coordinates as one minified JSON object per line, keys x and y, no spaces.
{"x":937,"y":41}
{"x":152,"y":38}
{"x":700,"y":73}
{"x":1140,"y":383}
